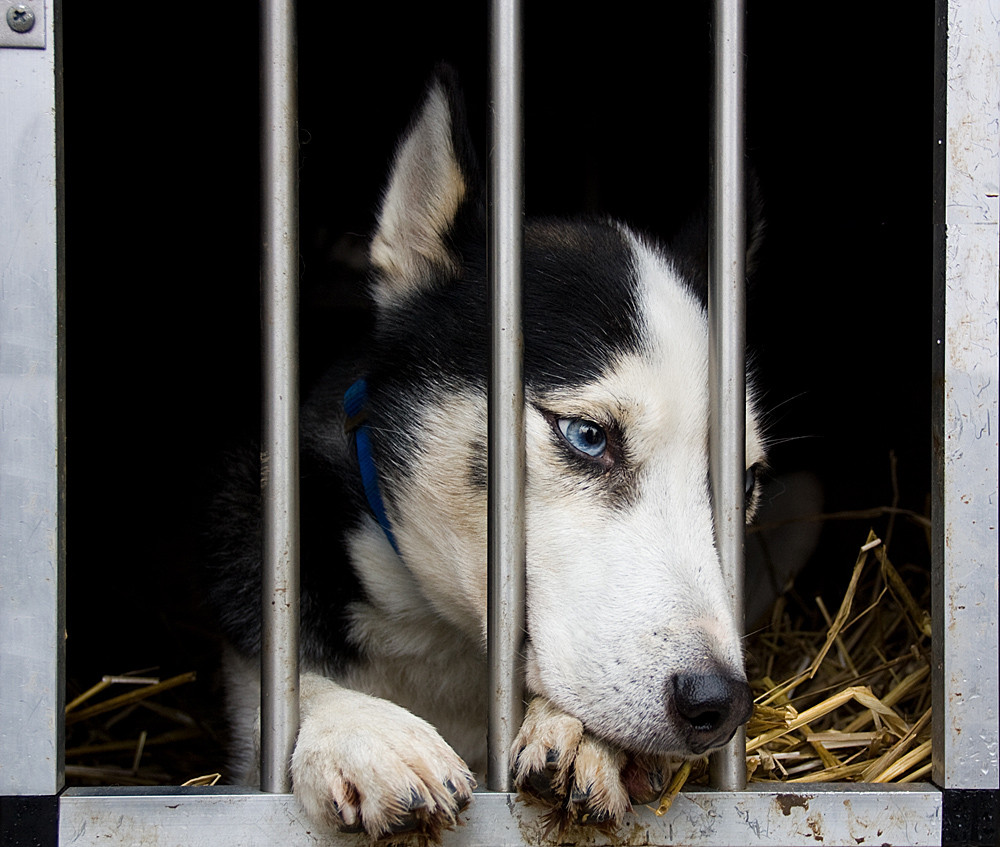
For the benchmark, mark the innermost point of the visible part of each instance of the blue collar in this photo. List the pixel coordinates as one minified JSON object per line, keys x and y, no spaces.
{"x":355,"y":405}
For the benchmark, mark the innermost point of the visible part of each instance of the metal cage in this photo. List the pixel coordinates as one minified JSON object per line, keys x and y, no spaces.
{"x":958,"y":807}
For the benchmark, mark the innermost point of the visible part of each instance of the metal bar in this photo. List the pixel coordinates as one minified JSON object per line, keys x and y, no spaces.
{"x":841,"y":816}
{"x":32,"y":418}
{"x":280,"y":428}
{"x":505,"y":614}
{"x":966,"y":379}
{"x":727,"y":334}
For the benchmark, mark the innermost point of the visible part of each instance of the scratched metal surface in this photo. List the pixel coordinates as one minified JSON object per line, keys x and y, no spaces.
{"x":966,"y":410}
{"x":841,"y":815}
{"x":31,"y":423}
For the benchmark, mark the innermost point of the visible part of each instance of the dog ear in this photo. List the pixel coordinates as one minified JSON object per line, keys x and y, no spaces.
{"x":756,"y":222}
{"x":689,"y":244}
{"x":432,"y":180}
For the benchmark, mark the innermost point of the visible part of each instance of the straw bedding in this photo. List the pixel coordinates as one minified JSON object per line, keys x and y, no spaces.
{"x":841,"y":695}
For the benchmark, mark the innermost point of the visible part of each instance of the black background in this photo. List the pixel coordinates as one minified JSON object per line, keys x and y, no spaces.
{"x":162,"y":241}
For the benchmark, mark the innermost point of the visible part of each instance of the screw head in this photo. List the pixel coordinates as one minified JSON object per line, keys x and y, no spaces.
{"x":20,"y":18}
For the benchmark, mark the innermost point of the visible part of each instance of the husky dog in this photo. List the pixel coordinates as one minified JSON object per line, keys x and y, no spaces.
{"x":632,"y":653}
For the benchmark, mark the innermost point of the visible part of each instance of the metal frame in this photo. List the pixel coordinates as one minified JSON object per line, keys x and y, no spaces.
{"x":831,"y":815}
{"x":32,"y":422}
{"x":279,"y":710}
{"x":726,"y":330}
{"x":964,"y":512}
{"x":505,"y":427}
{"x":31,"y":497}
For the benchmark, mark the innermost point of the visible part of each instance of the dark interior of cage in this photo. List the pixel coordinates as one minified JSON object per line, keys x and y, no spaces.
{"x":162,"y":315}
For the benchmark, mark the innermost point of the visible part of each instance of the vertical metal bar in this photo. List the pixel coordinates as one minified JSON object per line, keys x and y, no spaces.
{"x":279,"y":446}
{"x":966,"y":730}
{"x":32,"y":417}
{"x":505,"y":616}
{"x":727,"y":335}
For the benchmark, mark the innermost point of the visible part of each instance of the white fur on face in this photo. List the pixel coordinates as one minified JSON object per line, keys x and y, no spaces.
{"x":439,"y":516}
{"x":624,"y":595}
{"x":624,"y":591}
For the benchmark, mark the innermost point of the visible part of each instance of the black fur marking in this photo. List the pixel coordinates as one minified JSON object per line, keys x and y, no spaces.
{"x":580,"y":310}
{"x":580,"y":315}
{"x":328,"y":581}
{"x":478,"y":473}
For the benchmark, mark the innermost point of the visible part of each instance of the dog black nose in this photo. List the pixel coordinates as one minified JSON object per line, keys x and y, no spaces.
{"x":710,"y":706}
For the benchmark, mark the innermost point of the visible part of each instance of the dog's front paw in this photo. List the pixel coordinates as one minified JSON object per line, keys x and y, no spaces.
{"x":581,"y":778}
{"x":366,"y":765}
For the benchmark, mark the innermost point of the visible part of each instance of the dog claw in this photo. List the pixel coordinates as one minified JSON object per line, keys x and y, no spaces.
{"x":586,"y":815}
{"x":578,"y":775}
{"x":579,"y":803}
{"x":414,"y":817}
{"x":462,"y":799}
{"x":581,"y":809}
{"x":401,"y":778}
{"x":352,"y":828}
{"x":347,"y":817}
{"x":409,"y":822}
{"x":542,"y":783}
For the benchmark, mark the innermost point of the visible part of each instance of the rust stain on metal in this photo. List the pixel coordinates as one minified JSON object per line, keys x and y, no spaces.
{"x":787,"y":802}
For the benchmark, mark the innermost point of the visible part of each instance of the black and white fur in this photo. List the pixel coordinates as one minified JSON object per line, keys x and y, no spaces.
{"x":632,"y":652}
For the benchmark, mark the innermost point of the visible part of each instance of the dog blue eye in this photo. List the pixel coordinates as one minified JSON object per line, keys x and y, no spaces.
{"x":583,"y":435}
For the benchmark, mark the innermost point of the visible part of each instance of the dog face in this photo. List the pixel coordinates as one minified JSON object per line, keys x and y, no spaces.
{"x":629,"y":621}
{"x":620,"y":538}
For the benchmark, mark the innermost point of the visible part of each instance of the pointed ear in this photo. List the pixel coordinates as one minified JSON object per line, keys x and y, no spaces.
{"x":689,"y":245}
{"x":433,"y":175}
{"x":756,"y":222}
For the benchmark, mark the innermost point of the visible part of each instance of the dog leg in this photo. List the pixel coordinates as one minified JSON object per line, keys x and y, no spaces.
{"x":366,"y":764}
{"x":583,"y":778}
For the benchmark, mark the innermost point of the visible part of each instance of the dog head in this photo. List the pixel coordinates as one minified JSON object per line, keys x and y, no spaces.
{"x":629,"y":621}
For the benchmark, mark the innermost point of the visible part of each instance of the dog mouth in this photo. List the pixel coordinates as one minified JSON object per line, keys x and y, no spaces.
{"x":700,"y":713}
{"x":691,"y":711}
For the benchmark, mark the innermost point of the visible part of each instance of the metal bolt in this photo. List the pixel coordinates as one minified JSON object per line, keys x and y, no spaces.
{"x":20,"y":18}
